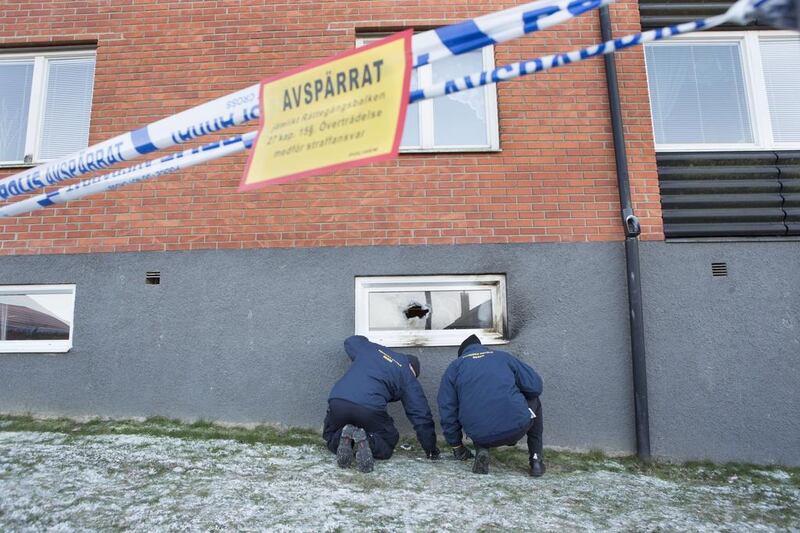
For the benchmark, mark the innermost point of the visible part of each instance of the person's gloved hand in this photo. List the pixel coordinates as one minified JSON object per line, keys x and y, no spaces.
{"x":433,"y":454}
{"x":462,"y":453}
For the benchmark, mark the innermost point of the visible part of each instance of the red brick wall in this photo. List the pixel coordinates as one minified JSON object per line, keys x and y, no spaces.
{"x":553,"y":181}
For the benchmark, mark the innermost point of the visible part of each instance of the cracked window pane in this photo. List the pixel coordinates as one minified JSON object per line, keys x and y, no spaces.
{"x":430,"y":310}
{"x":460,"y":119}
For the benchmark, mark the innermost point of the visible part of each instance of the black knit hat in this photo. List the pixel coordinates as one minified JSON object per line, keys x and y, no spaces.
{"x":469,"y":341}
{"x":414,"y":361}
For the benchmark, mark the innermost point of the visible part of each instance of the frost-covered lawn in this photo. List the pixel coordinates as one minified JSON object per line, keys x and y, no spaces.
{"x":90,"y":478}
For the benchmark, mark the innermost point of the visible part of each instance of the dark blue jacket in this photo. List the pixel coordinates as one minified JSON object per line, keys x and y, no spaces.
{"x":378,"y":376}
{"x":485,"y":392}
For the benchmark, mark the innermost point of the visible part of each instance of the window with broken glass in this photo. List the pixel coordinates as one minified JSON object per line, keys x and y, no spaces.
{"x":461,"y":122}
{"x":431,"y":310}
{"x":36,"y":318}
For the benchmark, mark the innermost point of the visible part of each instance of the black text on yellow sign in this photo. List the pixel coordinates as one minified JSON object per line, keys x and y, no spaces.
{"x":342,"y":112}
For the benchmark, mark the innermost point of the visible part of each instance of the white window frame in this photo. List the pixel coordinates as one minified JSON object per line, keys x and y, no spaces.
{"x":40,"y":346}
{"x":425,"y":107}
{"x":365,"y":285}
{"x":38,"y":95}
{"x":754,"y":85}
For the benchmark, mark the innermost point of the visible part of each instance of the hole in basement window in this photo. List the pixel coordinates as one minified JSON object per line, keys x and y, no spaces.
{"x":438,"y":310}
{"x":416,"y":311}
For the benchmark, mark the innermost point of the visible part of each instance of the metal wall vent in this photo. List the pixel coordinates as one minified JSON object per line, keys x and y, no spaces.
{"x":152,"y":278}
{"x":719,"y":269}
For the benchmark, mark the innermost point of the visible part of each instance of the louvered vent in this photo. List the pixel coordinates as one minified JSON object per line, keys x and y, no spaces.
{"x":719,"y":269}
{"x":658,"y":13}
{"x":152,"y":278}
{"x":730,"y":194}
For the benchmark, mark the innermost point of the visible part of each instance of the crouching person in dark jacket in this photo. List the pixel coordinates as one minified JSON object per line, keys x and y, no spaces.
{"x":494,"y":397}
{"x":357,"y":416}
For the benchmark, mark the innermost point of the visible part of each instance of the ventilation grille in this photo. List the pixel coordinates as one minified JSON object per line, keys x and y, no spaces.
{"x":719,"y":269}
{"x":730,"y":194}
{"x":657,"y":13}
{"x":152,"y":278}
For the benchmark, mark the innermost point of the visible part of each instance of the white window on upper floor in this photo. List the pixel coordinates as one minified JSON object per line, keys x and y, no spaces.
{"x":36,"y":318}
{"x":431,"y":310}
{"x":45,"y":104}
{"x":460,"y":122}
{"x":721,"y":91}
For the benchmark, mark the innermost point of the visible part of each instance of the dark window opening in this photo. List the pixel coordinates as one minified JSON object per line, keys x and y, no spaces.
{"x":416,"y":311}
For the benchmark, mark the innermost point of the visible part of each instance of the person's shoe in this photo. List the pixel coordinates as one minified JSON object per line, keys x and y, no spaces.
{"x":364,"y":459}
{"x":481,"y":464}
{"x":344,"y":453}
{"x":537,"y":466}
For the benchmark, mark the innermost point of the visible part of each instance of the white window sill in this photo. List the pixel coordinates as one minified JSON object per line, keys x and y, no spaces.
{"x":724,"y":148}
{"x":11,"y":347}
{"x":18,"y":164}
{"x":449,"y":149}
{"x":427,"y":338}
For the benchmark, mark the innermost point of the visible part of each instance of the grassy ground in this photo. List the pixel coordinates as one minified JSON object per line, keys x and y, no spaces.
{"x":164,"y":475}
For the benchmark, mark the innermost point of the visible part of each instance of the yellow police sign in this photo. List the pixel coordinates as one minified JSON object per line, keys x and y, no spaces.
{"x":341,"y":112}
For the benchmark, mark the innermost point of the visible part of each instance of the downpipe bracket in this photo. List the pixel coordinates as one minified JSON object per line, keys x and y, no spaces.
{"x":631,"y":223}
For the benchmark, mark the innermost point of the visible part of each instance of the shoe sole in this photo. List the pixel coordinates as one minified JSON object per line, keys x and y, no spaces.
{"x":481,"y":464}
{"x":364,"y":459}
{"x":344,"y":452}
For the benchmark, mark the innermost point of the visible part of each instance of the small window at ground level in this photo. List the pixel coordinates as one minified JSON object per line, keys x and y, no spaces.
{"x":45,"y":104}
{"x":36,"y":318}
{"x":431,"y":310}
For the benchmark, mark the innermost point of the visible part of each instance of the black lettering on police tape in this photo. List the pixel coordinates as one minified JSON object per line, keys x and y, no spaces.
{"x":204,"y":128}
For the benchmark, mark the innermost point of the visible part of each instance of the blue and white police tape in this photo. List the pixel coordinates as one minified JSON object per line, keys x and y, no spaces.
{"x":230,"y":110}
{"x":497,"y":27}
{"x":242,"y":106}
{"x":779,"y":13}
{"x":125,"y":176}
{"x":741,"y":12}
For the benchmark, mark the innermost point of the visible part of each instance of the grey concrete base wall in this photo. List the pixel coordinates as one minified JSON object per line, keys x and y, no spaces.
{"x":256,"y":336}
{"x":723,"y":353}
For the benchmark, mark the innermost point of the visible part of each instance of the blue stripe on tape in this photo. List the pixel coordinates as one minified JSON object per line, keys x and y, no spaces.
{"x":463,"y":37}
{"x":142,"y":142}
{"x":530,"y":19}
{"x":45,"y":202}
{"x":578,"y":7}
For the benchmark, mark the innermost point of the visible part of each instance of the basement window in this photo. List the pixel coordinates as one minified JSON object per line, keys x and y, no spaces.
{"x":431,"y":310}
{"x":36,"y":318}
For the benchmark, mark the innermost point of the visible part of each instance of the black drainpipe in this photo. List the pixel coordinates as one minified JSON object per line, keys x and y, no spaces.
{"x":632,"y":230}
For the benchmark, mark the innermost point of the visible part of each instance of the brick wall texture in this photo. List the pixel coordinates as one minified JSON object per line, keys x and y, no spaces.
{"x":553,"y":181}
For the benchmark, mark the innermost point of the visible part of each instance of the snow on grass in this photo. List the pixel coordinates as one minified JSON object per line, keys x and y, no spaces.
{"x":145,"y":483}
